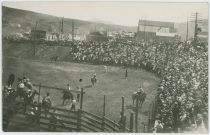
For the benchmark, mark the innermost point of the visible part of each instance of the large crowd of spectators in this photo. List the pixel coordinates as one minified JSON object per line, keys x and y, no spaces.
{"x":182,"y":96}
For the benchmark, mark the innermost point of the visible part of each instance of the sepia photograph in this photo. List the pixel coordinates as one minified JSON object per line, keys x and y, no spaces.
{"x":108,"y":67}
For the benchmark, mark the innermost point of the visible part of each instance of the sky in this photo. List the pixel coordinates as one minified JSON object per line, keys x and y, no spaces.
{"x":121,"y":13}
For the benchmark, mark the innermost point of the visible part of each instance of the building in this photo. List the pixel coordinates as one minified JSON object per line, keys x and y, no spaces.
{"x":97,"y":36}
{"x":38,"y":34}
{"x":155,"y":30}
{"x":52,"y":36}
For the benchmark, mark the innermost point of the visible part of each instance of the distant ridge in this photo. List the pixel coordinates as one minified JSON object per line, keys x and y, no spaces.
{"x":17,"y":20}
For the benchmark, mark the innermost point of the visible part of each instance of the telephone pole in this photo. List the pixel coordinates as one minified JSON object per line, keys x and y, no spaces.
{"x":196,"y":18}
{"x":72,"y":30}
{"x":36,"y":25}
{"x":196,"y":26}
{"x":187,"y":30}
{"x":62,"y":25}
{"x":144,"y":31}
{"x":138,"y":26}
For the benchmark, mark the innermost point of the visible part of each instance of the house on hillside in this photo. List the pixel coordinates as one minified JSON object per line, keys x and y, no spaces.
{"x":38,"y":34}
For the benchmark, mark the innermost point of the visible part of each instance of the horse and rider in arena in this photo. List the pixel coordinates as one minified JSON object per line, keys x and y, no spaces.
{"x":67,"y":95}
{"x":140,"y":95}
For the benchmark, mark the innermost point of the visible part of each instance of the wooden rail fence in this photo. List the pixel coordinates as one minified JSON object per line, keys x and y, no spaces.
{"x":67,"y":120}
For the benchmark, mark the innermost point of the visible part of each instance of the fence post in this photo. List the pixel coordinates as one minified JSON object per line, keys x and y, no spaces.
{"x":123,"y":114}
{"x":81,"y":98}
{"x":122,"y":106}
{"x":79,"y":120}
{"x":124,"y":124}
{"x":114,"y":126}
{"x":39,"y":106}
{"x":39,"y":93}
{"x":149,"y":121}
{"x":148,"y":126}
{"x":144,"y":128}
{"x":136,"y":119}
{"x":131,"y":122}
{"x":103,"y":118}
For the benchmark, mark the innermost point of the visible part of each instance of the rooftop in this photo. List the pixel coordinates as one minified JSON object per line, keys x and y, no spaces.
{"x":156,"y":23}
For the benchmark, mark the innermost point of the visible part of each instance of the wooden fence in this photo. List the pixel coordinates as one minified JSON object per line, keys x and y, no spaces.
{"x":68,"y":121}
{"x":152,"y":114}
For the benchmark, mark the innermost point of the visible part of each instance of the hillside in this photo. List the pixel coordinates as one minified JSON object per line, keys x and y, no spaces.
{"x":16,"y":20}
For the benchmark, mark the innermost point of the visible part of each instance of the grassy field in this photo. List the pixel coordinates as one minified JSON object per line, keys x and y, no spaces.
{"x":111,"y":84}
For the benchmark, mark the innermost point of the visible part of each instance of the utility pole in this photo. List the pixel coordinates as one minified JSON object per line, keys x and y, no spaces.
{"x":136,"y":116}
{"x":62,"y":25}
{"x":72,"y":30}
{"x":196,"y":26}
{"x":144,"y":31}
{"x":187,"y":30}
{"x":34,"y":46}
{"x":138,"y":26}
{"x":196,"y":18}
{"x":36,"y":25}
{"x":95,"y":27}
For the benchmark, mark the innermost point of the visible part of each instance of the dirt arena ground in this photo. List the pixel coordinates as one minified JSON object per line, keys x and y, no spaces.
{"x":112,"y":84}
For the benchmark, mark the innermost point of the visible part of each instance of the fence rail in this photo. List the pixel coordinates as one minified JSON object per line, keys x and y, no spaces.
{"x":67,"y":121}
{"x":55,"y":88}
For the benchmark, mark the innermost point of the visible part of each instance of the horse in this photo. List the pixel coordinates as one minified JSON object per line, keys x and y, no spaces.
{"x":11,"y":80}
{"x":67,"y":95}
{"x":93,"y":80}
{"x":9,"y":94}
{"x":141,"y":97}
{"x":54,"y":58}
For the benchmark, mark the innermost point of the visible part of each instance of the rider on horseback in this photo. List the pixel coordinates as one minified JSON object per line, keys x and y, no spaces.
{"x":67,"y":95}
{"x":140,"y":90}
